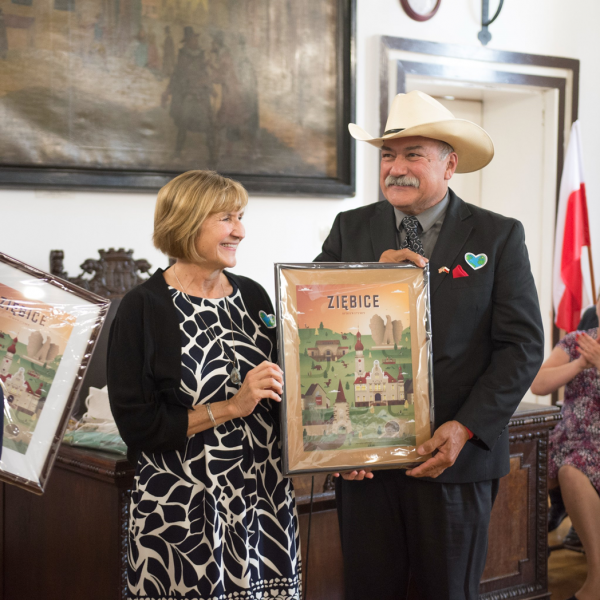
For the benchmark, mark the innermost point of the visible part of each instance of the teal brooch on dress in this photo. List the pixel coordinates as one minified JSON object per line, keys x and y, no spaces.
{"x":268,"y":320}
{"x":476,"y":261}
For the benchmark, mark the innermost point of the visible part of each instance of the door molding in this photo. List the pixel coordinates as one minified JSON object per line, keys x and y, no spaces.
{"x":400,"y":57}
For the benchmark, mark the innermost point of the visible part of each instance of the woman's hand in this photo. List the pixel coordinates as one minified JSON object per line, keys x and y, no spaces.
{"x":264,"y":381}
{"x":589,"y":348}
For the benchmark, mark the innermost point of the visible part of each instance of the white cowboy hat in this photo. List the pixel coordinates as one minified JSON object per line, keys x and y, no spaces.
{"x":417,"y":113}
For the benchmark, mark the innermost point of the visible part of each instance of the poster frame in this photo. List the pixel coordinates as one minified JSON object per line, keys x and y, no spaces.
{"x":91,"y":330}
{"x":289,"y":349}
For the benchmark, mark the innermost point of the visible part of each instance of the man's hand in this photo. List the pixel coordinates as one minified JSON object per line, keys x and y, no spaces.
{"x":448,"y":440}
{"x":397,"y":256}
{"x":355,"y":475}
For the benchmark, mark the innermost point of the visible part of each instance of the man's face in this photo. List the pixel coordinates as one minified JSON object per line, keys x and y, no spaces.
{"x":423,"y":175}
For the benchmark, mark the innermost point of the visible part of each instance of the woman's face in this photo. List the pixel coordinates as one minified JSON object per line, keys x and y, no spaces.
{"x":218,"y":239}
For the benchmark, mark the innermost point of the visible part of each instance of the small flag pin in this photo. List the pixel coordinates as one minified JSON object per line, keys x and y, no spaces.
{"x":443,"y":270}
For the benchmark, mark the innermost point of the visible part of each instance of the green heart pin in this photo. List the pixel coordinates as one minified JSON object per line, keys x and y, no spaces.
{"x":268,"y":320}
{"x":476,"y":261}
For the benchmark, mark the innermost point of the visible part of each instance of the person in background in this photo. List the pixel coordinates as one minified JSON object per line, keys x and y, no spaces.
{"x":194,"y":391}
{"x":589,"y":320}
{"x":557,"y":511}
{"x":574,"y":453}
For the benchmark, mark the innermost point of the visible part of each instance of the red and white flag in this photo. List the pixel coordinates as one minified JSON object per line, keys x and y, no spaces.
{"x":571,"y":285}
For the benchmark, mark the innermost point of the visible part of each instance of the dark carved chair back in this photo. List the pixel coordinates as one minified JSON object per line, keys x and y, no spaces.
{"x":114,"y":274}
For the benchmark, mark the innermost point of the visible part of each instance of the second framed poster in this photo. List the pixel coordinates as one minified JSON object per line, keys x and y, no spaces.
{"x":355,"y":346}
{"x":48,"y":330}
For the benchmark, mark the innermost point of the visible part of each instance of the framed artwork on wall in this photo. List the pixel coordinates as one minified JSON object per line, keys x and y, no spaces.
{"x":355,"y":347}
{"x":130,"y":94}
{"x":48,"y":331}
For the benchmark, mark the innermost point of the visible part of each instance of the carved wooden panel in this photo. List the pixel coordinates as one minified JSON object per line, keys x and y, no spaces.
{"x":111,"y":276}
{"x":517,"y":565}
{"x":64,"y":545}
{"x":323,"y":574}
{"x":509,"y":529}
{"x":114,"y":274}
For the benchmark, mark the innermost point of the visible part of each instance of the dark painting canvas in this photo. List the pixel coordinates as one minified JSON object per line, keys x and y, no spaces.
{"x":246,"y":87}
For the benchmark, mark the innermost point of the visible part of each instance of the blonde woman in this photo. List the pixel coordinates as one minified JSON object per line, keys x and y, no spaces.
{"x":194,"y":390}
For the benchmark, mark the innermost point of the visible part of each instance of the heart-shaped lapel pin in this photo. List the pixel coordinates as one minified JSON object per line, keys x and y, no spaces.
{"x":268,"y":320}
{"x":476,"y":261}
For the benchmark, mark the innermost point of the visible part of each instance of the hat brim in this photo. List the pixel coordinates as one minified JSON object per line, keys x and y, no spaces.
{"x":471,"y":143}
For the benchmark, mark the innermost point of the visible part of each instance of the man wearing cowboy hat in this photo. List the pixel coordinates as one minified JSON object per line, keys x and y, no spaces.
{"x":430,"y":523}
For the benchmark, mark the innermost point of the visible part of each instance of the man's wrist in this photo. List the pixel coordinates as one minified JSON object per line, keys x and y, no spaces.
{"x":469,"y":433}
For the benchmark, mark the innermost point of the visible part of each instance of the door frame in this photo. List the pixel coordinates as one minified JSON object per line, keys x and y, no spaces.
{"x":400,"y":57}
{"x":482,"y":65}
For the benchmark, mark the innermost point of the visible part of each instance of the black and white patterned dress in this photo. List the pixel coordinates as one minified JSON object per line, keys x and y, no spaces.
{"x":218,"y":520}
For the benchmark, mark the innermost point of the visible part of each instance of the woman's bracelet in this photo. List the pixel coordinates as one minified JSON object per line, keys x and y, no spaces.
{"x":209,"y":411}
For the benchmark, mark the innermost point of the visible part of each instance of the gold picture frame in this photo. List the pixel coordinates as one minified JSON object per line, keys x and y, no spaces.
{"x":357,"y":371}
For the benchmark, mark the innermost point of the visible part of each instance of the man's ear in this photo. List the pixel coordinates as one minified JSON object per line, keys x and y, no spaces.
{"x":451,"y":164}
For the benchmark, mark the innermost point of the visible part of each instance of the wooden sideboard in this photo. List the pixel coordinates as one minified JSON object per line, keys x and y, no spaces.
{"x":71,"y":543}
{"x":517,"y":561}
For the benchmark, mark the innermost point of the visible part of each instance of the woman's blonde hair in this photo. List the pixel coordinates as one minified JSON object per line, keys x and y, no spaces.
{"x":185,"y":203}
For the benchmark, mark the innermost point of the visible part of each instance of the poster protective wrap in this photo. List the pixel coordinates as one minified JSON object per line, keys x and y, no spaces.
{"x":48,"y":331}
{"x":354,"y":342}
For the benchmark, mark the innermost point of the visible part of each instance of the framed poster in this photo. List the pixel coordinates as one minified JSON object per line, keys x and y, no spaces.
{"x":130,"y":94}
{"x":355,"y":347}
{"x":48,"y":330}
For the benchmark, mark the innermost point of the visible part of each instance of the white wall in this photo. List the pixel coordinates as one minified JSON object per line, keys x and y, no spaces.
{"x":291,"y":229}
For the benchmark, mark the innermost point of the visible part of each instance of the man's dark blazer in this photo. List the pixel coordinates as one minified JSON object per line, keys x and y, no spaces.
{"x":486,"y":328}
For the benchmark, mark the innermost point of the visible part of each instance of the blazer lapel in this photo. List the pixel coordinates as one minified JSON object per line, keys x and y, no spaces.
{"x":383,"y":229}
{"x":453,"y":236}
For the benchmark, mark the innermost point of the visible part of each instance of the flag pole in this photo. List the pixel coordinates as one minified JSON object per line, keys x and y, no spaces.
{"x":592,"y":273}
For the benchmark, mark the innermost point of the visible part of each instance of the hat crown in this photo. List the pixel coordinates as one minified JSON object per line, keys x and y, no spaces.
{"x":415,"y":108}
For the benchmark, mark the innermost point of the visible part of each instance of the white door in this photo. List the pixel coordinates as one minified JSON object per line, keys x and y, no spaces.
{"x":520,"y":182}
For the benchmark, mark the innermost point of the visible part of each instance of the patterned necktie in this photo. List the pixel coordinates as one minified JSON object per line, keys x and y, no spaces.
{"x":412,"y":241}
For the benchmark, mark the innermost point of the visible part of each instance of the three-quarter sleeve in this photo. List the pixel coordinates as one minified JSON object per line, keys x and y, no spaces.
{"x":147,"y":411}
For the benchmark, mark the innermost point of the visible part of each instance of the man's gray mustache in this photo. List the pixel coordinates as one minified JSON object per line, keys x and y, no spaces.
{"x":402,"y":180}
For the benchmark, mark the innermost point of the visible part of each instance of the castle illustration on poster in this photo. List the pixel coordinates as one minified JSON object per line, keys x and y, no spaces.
{"x":355,"y":366}
{"x":33,"y":337}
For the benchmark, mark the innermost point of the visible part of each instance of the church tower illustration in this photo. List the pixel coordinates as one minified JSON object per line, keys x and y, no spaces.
{"x":359,"y":361}
{"x":341,"y":411}
{"x":8,"y":358}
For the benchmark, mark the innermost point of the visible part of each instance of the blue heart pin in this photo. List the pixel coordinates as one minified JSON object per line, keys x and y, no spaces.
{"x":268,"y":320}
{"x":476,"y":261}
